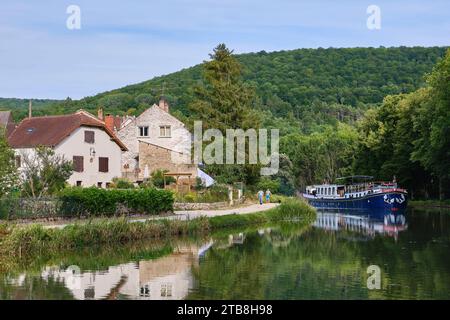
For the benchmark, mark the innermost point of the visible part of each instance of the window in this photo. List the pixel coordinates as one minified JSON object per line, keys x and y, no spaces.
{"x":99,"y":184}
{"x":164,"y":131}
{"x":78,"y":183}
{"x":89,"y":136}
{"x":18,"y":162}
{"x":166,"y":290}
{"x":108,"y":185}
{"x":143,"y":131}
{"x":103,"y":164}
{"x":145,"y":291}
{"x":78,"y":163}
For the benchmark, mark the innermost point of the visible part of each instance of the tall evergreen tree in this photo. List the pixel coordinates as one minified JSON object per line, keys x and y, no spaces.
{"x":225,"y":102}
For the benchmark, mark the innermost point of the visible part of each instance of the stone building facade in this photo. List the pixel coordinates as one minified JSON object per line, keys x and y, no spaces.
{"x":156,"y":140}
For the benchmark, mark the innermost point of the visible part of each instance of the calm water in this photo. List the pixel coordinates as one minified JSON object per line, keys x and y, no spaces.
{"x":327,"y":260}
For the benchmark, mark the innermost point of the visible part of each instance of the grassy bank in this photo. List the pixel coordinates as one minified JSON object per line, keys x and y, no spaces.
{"x":35,"y":240}
{"x":429,"y":203}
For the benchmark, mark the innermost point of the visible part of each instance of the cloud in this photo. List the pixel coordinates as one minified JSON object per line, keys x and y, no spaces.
{"x":127,"y":42}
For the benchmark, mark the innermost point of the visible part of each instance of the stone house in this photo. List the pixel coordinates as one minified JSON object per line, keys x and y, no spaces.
{"x":155,"y":140}
{"x":80,"y":137}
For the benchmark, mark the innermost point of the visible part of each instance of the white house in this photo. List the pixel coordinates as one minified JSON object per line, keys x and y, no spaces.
{"x":95,"y":150}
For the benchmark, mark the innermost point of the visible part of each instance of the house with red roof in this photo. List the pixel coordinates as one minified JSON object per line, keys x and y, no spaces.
{"x":81,"y":137}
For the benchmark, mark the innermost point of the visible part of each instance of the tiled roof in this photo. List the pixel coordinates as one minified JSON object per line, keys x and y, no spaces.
{"x":51,"y":130}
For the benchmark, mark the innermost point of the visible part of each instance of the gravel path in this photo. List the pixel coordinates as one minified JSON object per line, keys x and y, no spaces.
{"x":191,"y":214}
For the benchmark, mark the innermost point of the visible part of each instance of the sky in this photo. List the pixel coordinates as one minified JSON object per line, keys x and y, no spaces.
{"x":125,"y":42}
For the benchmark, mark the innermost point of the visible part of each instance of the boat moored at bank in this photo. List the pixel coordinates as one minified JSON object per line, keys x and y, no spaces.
{"x":357,"y":193}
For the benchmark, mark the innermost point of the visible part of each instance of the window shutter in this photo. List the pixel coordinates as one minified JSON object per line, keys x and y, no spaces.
{"x":89,"y":136}
{"x":78,"y":163}
{"x":103,"y":164}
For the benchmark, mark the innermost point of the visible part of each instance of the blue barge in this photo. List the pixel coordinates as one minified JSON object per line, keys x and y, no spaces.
{"x":357,"y":193}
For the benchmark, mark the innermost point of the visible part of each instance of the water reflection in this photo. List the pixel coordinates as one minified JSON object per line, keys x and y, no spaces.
{"x":365,"y":223}
{"x":167,"y":278}
{"x":327,"y":260}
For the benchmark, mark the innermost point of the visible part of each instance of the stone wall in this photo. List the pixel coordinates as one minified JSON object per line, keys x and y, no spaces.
{"x":155,"y":158}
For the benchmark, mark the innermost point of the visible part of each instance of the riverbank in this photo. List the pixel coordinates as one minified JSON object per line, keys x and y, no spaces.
{"x":27,"y":242}
{"x":445,"y":204}
{"x":176,"y":215}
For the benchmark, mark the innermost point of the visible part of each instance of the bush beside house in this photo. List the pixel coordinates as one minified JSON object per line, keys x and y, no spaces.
{"x":110,"y":202}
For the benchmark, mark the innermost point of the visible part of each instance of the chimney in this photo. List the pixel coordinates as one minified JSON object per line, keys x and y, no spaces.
{"x":100,"y":113}
{"x":109,"y":122}
{"x":163,"y":104}
{"x":30,"y":113}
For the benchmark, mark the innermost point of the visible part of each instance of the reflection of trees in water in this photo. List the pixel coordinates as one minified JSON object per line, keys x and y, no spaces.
{"x":34,"y":288}
{"x":321,"y":264}
{"x":286,"y":261}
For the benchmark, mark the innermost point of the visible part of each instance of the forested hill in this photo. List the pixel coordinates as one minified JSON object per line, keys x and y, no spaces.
{"x":288,"y":82}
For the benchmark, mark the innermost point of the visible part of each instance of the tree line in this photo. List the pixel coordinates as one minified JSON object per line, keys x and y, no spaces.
{"x":339,"y":111}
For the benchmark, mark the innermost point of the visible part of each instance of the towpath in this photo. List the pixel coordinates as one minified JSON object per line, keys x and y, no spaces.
{"x":184,"y":214}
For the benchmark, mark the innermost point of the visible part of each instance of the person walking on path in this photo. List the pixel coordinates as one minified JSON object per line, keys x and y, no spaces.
{"x":260,"y":196}
{"x":268,"y":194}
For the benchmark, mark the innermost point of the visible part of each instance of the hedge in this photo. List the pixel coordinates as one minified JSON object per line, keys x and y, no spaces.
{"x":109,"y":202}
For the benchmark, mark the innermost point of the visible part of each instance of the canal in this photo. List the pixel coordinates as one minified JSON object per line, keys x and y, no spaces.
{"x":327,"y":260}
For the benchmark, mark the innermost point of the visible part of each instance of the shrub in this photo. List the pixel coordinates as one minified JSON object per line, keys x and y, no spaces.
{"x":158,"y":178}
{"x":293,"y":208}
{"x":146,"y":184}
{"x":266,"y":183}
{"x":121,"y":183}
{"x":108,"y":202}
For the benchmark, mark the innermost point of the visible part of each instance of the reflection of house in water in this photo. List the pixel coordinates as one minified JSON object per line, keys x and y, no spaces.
{"x":169,"y":277}
{"x":388,"y":224}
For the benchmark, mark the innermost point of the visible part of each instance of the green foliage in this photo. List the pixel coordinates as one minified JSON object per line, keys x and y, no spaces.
{"x":294,"y":208}
{"x":146,"y":184}
{"x":8,"y":171}
{"x":115,"y":101}
{"x":30,"y":241}
{"x":157,"y":178}
{"x":109,"y":202}
{"x":121,"y":183}
{"x":44,"y":173}
{"x":408,"y":136}
{"x":215,"y":193}
{"x":224,"y":102}
{"x":321,"y":156}
{"x":268,"y":183}
{"x":290,"y":209}
{"x":286,"y":81}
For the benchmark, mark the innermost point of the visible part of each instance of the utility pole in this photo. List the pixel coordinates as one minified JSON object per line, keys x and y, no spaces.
{"x":30,"y":114}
